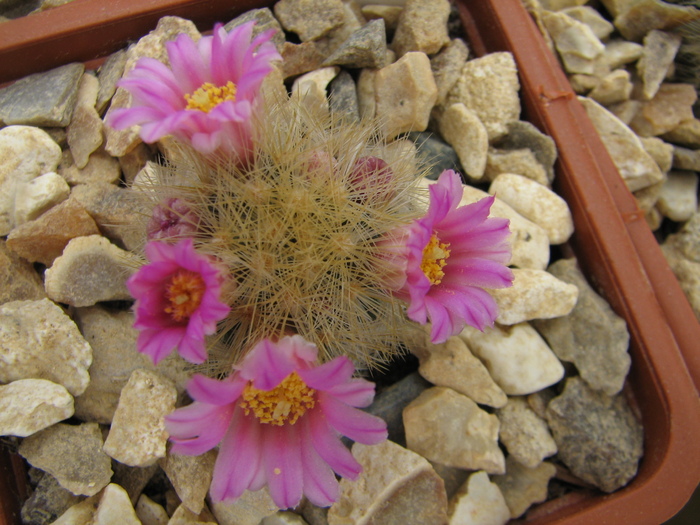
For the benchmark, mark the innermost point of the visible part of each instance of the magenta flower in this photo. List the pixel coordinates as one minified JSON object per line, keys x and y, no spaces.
{"x":173,"y":218}
{"x":207,"y":96}
{"x":177,"y":301}
{"x":278,"y":419}
{"x":448,"y":257}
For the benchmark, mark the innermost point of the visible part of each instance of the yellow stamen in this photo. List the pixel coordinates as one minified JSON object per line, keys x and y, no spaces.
{"x":435,"y":256}
{"x":285,"y":403}
{"x":208,"y":96}
{"x":184,"y":293}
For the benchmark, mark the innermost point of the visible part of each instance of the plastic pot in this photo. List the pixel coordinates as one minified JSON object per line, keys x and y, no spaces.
{"x":614,"y":246}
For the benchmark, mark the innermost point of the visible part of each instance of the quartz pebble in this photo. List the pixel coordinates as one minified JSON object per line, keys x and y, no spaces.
{"x":592,"y":337}
{"x":598,"y":436}
{"x":284,"y":518}
{"x":660,"y":49}
{"x":447,"y":66}
{"x":395,"y":486}
{"x":27,"y":152}
{"x":449,"y":428}
{"x":184,"y":516}
{"x":678,"y":199}
{"x":30,"y":405}
{"x":149,"y":512}
{"x":452,"y":365}
{"x":310,"y":19}
{"x":137,"y":436}
{"x":38,"y":340}
{"x":18,"y":279}
{"x":112,"y":337}
{"x":535,"y":294}
{"x":72,"y":454}
{"x":688,"y":274}
{"x":517,"y":357}
{"x":422,"y":26}
{"x":42,"y":99}
{"x":44,"y":239}
{"x":577,"y":44}
{"x":522,"y":486}
{"x":463,"y":130}
{"x":90,"y":270}
{"x":366,"y":47}
{"x":637,"y":18}
{"x":479,"y":502}
{"x":524,"y":135}
{"x":405,"y":92}
{"x":672,"y":104}
{"x":635,"y":165}
{"x":39,"y":195}
{"x":524,"y":434}
{"x":190,"y":476}
{"x":84,"y":134}
{"x":537,"y":203}
{"x":249,"y":509}
{"x":489,"y":86}
{"x":520,"y":161}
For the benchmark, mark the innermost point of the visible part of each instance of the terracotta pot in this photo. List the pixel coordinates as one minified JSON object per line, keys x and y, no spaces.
{"x":612,"y":242}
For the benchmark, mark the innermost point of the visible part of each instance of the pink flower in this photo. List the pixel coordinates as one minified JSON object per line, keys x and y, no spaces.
{"x":448,"y":257}
{"x":208,"y":94}
{"x":278,"y":419}
{"x":173,"y":218}
{"x":177,"y":301}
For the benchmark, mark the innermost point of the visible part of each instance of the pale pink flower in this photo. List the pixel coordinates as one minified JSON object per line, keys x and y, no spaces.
{"x":278,"y":419}
{"x":208,"y":94}
{"x":448,"y":258}
{"x":177,"y":301}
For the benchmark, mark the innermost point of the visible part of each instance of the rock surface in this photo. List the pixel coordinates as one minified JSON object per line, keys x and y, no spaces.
{"x":479,"y":502}
{"x":598,"y":436}
{"x":137,"y":436}
{"x":38,"y":340}
{"x":449,"y":428}
{"x":524,"y":434}
{"x":517,"y":357}
{"x":90,"y":270}
{"x":30,"y":405}
{"x":72,"y":454}
{"x":592,"y":337}
{"x":395,"y":486}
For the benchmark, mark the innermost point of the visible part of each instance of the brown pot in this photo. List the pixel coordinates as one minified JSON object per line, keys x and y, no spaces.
{"x":612,"y":241}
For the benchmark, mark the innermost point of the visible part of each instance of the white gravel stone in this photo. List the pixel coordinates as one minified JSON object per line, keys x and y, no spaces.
{"x":479,"y":502}
{"x":577,"y":44}
{"x":536,"y":203}
{"x":115,"y":508}
{"x":249,"y":509}
{"x":518,"y":358}
{"x":679,"y":196}
{"x":84,"y":133}
{"x":524,"y":433}
{"x":26,"y":153}
{"x":522,"y":486}
{"x":137,"y":436}
{"x":396,"y":485}
{"x":489,"y":86}
{"x":405,"y":93}
{"x":38,"y":340}
{"x":91,"y":270}
{"x":149,"y":512}
{"x":450,"y":429}
{"x":311,"y":88}
{"x":30,"y":405}
{"x":535,"y":294}
{"x":462,"y":129}
{"x":38,"y":195}
{"x":636,"y":166}
{"x":452,"y":365}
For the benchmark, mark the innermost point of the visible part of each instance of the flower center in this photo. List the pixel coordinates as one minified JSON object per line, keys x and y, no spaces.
{"x":208,"y":96}
{"x":435,"y":256}
{"x":285,"y":403}
{"x":184,"y":293}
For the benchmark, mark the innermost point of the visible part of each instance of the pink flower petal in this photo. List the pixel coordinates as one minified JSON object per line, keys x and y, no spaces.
{"x":325,"y":376}
{"x":351,"y":422}
{"x":320,"y":484}
{"x":239,"y":460}
{"x":327,"y":444}
{"x":283,"y":466}
{"x":198,"y":427}
{"x":214,"y":392}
